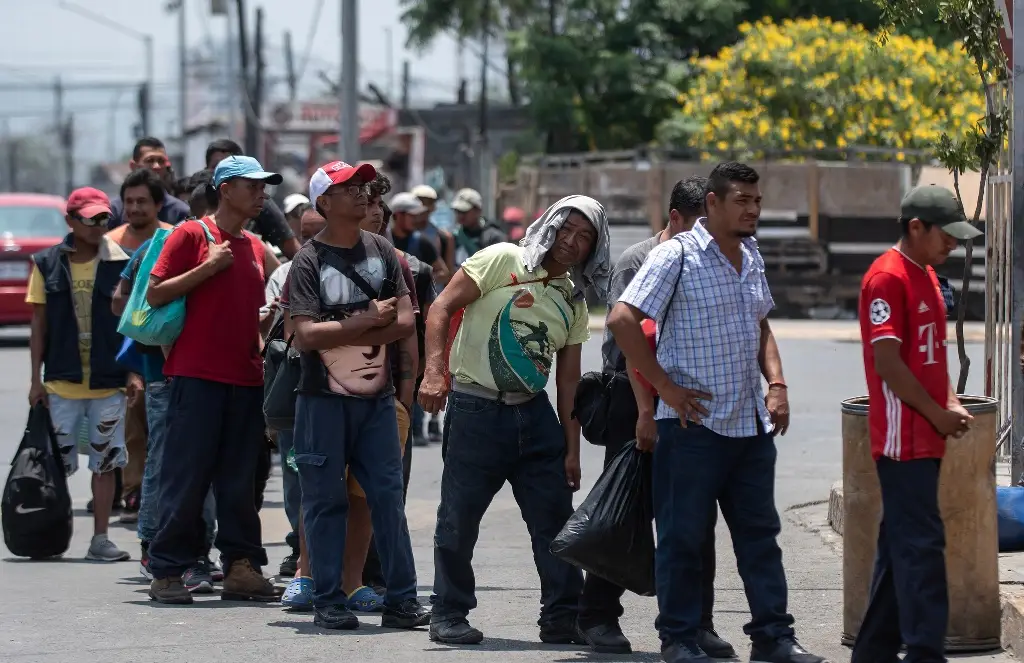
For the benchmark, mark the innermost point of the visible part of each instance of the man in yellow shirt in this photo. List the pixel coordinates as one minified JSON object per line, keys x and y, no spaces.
{"x":520,"y":314}
{"x":74,"y":344}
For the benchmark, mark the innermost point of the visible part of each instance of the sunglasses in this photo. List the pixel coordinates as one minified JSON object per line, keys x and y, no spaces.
{"x":99,"y":220}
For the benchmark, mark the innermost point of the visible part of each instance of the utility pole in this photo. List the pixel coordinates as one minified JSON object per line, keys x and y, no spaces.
{"x":58,"y":124}
{"x":258,"y":86}
{"x":68,"y":138}
{"x":182,"y":82}
{"x":144,"y":104}
{"x":1017,"y":255}
{"x":483,"y":149}
{"x":405,"y":84}
{"x":246,"y":86}
{"x":12,"y":158}
{"x":289,"y":62}
{"x":389,"y":63}
{"x":348,"y":138}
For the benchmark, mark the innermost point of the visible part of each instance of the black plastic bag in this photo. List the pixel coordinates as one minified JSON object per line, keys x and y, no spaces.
{"x":611,"y":533}
{"x":36,"y":505}
{"x":281,"y":372}
{"x":606,"y":408}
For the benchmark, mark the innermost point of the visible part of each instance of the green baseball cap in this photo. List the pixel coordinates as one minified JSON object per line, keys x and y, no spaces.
{"x":937,"y":206}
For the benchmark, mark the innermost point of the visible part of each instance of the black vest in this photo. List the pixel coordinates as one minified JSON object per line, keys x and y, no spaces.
{"x":61,"y":358}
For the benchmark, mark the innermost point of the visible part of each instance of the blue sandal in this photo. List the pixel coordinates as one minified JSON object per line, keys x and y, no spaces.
{"x":364,"y":599}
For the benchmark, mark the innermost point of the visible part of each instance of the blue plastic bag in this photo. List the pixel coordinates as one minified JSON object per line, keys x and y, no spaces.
{"x":129,"y":357}
{"x":1010,"y":510}
{"x":142,"y":322}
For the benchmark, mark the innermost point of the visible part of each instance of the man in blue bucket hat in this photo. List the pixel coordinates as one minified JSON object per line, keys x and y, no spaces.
{"x":215,"y":425}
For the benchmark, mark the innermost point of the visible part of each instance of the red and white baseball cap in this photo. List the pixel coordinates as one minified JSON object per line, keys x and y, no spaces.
{"x":88,"y":202}
{"x":338,"y":172}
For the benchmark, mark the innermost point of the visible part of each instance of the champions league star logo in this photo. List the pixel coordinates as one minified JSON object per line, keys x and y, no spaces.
{"x":879,"y":311}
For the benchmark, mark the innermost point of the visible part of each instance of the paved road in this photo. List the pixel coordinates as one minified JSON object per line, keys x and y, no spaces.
{"x":72,"y":610}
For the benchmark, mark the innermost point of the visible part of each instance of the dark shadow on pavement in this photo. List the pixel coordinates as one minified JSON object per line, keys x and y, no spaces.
{"x":507,"y":644}
{"x":307,"y":627}
{"x":207,"y":601}
{"x":61,"y":560}
{"x":586,"y":657}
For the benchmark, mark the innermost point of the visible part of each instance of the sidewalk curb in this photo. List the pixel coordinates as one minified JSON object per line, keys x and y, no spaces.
{"x":1011,"y":596}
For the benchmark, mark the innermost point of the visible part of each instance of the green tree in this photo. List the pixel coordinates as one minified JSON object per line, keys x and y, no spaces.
{"x":976,"y":25}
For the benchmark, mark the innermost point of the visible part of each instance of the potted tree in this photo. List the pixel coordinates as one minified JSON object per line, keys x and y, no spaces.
{"x":967,"y":490}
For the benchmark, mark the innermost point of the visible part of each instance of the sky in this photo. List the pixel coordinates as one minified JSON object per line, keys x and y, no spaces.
{"x":40,"y":41}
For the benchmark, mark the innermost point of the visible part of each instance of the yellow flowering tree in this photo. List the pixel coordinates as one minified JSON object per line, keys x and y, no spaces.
{"x":818,"y":84}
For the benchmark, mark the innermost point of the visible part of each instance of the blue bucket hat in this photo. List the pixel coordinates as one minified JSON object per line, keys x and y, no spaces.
{"x":246,"y":167}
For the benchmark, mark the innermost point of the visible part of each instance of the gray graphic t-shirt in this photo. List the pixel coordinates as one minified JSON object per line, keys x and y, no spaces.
{"x":329,"y":283}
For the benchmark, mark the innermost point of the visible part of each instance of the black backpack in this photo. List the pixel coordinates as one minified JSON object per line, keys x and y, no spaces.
{"x":36,"y":505}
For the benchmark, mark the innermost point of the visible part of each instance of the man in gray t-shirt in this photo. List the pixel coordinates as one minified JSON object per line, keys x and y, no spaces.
{"x":601,"y":603}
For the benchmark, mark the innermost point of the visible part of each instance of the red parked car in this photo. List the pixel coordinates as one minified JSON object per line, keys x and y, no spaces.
{"x":29,"y":222}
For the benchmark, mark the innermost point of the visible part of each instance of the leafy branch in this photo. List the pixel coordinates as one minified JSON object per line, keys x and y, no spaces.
{"x":975,"y":24}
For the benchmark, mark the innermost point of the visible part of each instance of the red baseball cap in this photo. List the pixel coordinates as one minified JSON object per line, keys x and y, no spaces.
{"x":88,"y":202}
{"x":338,"y":172}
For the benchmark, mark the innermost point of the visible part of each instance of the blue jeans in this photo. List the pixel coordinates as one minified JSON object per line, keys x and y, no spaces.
{"x":214,"y":438}
{"x":292,"y":492}
{"x":693,"y":467}
{"x":489,"y":443}
{"x":332,"y":432}
{"x":909,"y":602}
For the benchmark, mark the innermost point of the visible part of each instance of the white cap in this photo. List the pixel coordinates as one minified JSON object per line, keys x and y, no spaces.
{"x":293,"y":201}
{"x":424,"y":191}
{"x":406,"y":203}
{"x":467,"y":199}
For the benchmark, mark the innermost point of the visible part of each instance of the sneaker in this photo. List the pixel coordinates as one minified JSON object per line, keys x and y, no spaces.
{"x":713,"y":644}
{"x":213,"y":568}
{"x":198,"y":580}
{"x":364,"y":599}
{"x":783,"y":650}
{"x":455,"y":631}
{"x":407,"y":614}
{"x":289,"y":566}
{"x":102,"y":549}
{"x":170,"y":591}
{"x":244,"y":582}
{"x":298,"y":596}
{"x":434,"y":431}
{"x":606,"y":639}
{"x":684,"y":653}
{"x":144,"y":564}
{"x":418,"y":440}
{"x":335,"y":617}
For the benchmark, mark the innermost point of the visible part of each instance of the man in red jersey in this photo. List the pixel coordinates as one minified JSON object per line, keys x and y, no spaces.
{"x":215,"y":420}
{"x":912,"y":410}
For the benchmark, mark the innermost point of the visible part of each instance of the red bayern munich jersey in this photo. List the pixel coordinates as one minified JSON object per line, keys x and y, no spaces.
{"x":901,"y":300}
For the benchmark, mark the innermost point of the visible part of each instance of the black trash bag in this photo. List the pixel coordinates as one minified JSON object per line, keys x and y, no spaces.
{"x":611,"y":533}
{"x":36,"y":505}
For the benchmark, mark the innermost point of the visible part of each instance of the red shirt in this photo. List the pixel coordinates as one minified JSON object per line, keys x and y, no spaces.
{"x":220,"y":340}
{"x":650,"y":328}
{"x":901,"y":300}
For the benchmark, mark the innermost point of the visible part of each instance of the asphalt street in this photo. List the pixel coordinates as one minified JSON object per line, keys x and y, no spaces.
{"x":73,"y":610}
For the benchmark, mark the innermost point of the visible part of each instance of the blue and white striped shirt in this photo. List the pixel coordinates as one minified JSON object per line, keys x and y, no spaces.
{"x":709,"y":337}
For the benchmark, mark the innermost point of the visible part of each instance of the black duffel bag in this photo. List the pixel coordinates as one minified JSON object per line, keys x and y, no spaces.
{"x":606,"y":408}
{"x":281,"y":372}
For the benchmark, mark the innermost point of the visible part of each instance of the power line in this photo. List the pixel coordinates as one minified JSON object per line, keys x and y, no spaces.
{"x":310,"y":37}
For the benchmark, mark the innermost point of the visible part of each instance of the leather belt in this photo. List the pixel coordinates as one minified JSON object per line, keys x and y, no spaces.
{"x":502,"y":397}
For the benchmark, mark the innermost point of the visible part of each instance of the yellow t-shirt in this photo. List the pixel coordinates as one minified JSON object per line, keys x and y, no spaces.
{"x":509,"y":337}
{"x":83,"y":276}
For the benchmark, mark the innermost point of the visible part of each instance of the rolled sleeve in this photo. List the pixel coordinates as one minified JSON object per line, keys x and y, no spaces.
{"x":652,"y":287}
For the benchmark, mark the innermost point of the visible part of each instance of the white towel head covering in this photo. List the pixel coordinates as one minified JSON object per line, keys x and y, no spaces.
{"x":540,"y":237}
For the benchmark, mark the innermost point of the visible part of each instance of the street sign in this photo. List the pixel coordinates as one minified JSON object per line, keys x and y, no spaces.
{"x":1006,"y":34}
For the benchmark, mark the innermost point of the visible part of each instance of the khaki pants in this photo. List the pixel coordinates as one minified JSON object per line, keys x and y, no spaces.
{"x":136,"y":435}
{"x":403,"y":434}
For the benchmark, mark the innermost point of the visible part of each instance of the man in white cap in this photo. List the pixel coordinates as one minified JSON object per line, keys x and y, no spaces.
{"x":473,"y":232}
{"x":441,"y":238}
{"x":409,"y":233}
{"x":294,"y":207}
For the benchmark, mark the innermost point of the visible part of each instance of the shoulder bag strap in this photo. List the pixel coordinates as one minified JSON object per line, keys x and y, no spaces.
{"x":345,"y":268}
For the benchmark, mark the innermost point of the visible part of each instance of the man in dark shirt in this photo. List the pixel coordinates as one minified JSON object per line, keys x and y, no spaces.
{"x":347,"y":302}
{"x":473,"y":231}
{"x":408,"y":215}
{"x":271,"y":224}
{"x":150,"y":153}
{"x":600,"y":605}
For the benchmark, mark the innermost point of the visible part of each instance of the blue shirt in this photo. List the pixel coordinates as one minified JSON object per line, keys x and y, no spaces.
{"x":152,"y":363}
{"x":709,"y":325}
{"x":173,"y":211}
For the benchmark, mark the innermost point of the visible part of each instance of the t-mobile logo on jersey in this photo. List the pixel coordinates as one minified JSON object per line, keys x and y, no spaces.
{"x":926,"y":334}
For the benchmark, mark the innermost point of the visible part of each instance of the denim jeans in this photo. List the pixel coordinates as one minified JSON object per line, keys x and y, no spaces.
{"x":489,"y":443}
{"x":157,"y":397}
{"x":214,"y":438}
{"x":693,"y":467}
{"x":601,"y":602}
{"x":909,"y":602}
{"x":332,"y":432}
{"x":292,"y":492}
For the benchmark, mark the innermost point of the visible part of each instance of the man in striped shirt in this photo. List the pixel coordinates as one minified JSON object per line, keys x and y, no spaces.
{"x":912,"y":409}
